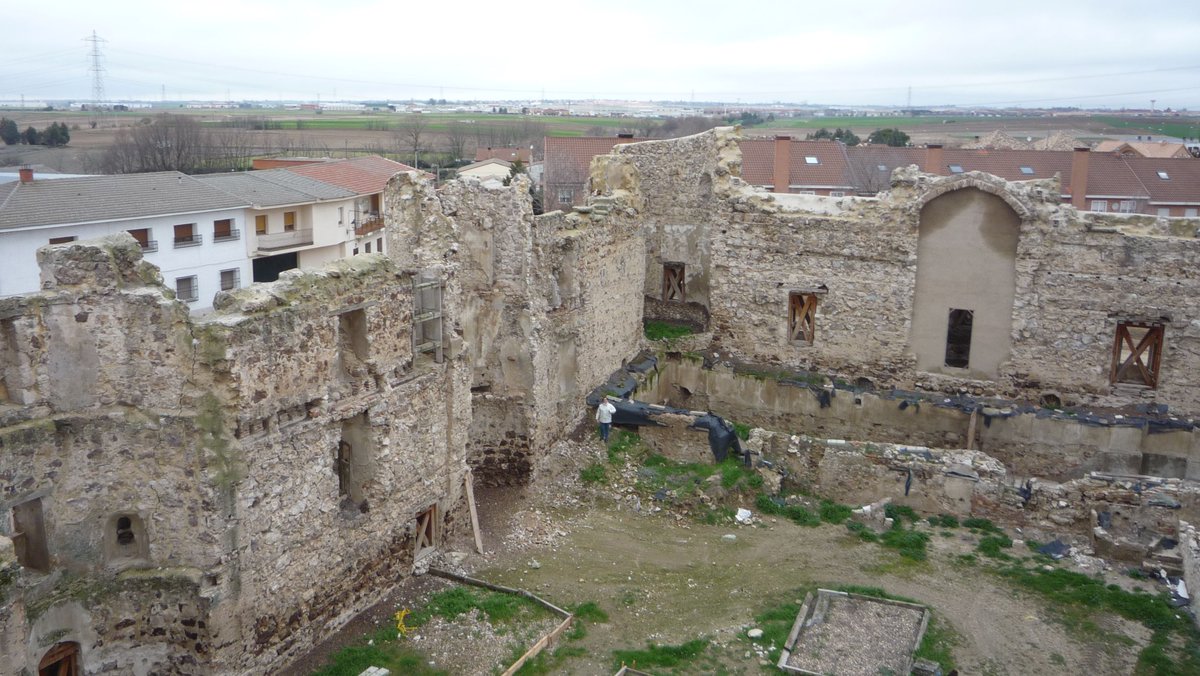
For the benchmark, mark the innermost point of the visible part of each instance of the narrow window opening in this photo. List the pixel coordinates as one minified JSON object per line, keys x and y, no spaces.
{"x":958,"y":338}
{"x":353,"y":462}
{"x":29,"y":536}
{"x":62,"y":240}
{"x":260,"y":224}
{"x":673,"y":287}
{"x":802,"y":317}
{"x":353,"y":345}
{"x":289,"y":221}
{"x":124,"y":531}
{"x":61,"y":660}
{"x":1137,"y":354}
{"x":125,"y":540}
{"x":427,"y":316}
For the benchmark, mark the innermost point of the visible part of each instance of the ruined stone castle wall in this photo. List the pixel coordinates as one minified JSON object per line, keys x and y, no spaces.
{"x":551,"y":305}
{"x":271,"y":460}
{"x":322,"y":363}
{"x":1075,"y":276}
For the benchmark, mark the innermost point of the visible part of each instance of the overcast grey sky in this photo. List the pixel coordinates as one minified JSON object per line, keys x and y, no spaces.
{"x":1097,"y":53}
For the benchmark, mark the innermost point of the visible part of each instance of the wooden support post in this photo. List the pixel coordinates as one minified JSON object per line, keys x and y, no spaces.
{"x":971,"y":429}
{"x":469,"y":480}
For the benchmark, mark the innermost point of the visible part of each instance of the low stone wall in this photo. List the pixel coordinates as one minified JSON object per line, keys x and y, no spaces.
{"x":1030,"y":441}
{"x":1189,"y":545}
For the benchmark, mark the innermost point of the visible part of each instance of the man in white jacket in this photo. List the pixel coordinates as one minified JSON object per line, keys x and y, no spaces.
{"x":604,"y":414}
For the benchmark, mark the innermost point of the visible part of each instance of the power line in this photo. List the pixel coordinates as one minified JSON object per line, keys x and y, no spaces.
{"x":97,"y":71}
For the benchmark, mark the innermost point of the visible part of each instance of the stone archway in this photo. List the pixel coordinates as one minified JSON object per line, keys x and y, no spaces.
{"x":60,"y":660}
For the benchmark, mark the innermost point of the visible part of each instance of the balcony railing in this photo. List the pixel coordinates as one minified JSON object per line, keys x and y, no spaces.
{"x":368,"y":224}
{"x":149,"y":246}
{"x":228,"y":236}
{"x":194,"y":239}
{"x":285,"y":240}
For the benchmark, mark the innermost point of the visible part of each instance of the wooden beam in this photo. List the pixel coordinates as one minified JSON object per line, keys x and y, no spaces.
{"x":538,"y":647}
{"x":469,"y":480}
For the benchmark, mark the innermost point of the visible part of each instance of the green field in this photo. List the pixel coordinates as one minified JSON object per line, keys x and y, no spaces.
{"x":1166,"y":126}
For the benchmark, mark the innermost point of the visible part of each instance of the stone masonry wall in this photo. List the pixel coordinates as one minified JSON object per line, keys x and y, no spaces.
{"x":220,"y":436}
{"x":1077,"y":275}
{"x":551,"y":305}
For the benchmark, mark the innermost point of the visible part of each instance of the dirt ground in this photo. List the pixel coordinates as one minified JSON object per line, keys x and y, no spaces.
{"x":669,"y":580}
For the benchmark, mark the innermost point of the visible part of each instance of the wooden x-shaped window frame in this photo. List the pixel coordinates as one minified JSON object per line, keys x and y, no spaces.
{"x":673,"y":286}
{"x":1137,"y":354}
{"x":802,"y":317}
{"x":427,"y":529}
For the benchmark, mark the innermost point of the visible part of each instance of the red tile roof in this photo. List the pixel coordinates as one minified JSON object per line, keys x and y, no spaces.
{"x":361,"y":175}
{"x":569,"y":158}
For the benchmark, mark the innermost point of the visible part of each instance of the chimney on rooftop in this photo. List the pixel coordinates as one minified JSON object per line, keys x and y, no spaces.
{"x":933,"y":159}
{"x":26,"y":174}
{"x":781,"y":172}
{"x":1079,"y":177}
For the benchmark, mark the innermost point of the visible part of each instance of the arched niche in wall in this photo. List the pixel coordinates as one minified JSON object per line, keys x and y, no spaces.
{"x":125,"y":540}
{"x":966,"y":281}
{"x":60,"y":660}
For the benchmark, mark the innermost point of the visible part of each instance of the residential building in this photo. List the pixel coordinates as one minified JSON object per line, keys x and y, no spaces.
{"x":191,"y":231}
{"x":567,"y":160}
{"x":484,"y":169}
{"x":1091,"y":181}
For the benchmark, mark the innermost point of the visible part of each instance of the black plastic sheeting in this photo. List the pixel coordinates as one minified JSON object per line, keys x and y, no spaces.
{"x":722,"y":439}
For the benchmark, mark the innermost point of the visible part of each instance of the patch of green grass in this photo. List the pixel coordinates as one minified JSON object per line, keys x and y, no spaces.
{"x":862,"y":531}
{"x":593,"y":474}
{"x":660,"y":655}
{"x":380,"y":649}
{"x":591,"y":612}
{"x":622,"y":443}
{"x":716,"y":515}
{"x":656,"y":330}
{"x":1078,"y":596}
{"x":776,"y":623}
{"x":801,"y":516}
{"x":910,"y":544}
{"x":943,"y":521}
{"x":742,"y":431}
{"x":497,"y":606}
{"x":990,"y":546}
{"x":832,"y":512}
{"x":967,"y":559}
{"x":898,"y":512}
{"x":985,"y":525}
{"x":937,"y":644}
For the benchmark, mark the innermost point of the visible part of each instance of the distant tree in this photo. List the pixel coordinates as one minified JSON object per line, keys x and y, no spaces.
{"x":846,"y":136}
{"x":888,"y":137}
{"x":9,"y":133}
{"x":409,"y":134}
{"x":456,"y":140}
{"x":56,"y":135}
{"x":32,"y":136}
